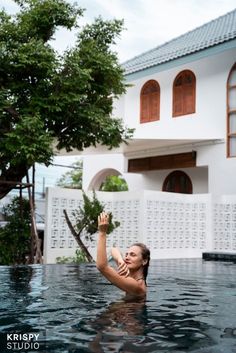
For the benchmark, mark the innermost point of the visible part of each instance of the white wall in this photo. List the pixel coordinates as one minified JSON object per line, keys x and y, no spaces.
{"x":214,"y":173}
{"x":172,"y":225}
{"x":222,"y":170}
{"x":154,"y":180}
{"x":224,"y":223}
{"x":97,"y":165}
{"x":208,"y":122}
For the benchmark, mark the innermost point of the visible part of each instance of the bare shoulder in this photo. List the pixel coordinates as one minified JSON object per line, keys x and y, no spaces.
{"x":142,"y":284}
{"x":127,"y":284}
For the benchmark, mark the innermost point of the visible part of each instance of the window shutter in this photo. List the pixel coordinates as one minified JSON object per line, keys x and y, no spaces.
{"x":178,"y":101}
{"x":144,"y":108}
{"x":150,"y":102}
{"x":231,"y":113}
{"x":184,"y":93}
{"x":189,"y":99}
{"x":179,"y":182}
{"x":154,"y":106}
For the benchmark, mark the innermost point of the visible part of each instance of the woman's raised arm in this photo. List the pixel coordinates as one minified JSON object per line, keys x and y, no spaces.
{"x":122,"y":267}
{"x":128,"y":284}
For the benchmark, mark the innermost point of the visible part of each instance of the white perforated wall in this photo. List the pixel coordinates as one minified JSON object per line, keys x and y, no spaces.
{"x":177,"y":225}
{"x":224,"y":224}
{"x":172,"y":225}
{"x":59,"y":241}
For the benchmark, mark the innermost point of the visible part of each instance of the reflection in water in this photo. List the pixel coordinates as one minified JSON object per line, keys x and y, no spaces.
{"x":19,"y":279}
{"x":20,"y":292}
{"x":137,"y":327}
{"x":121,"y":320}
{"x":190,"y":307}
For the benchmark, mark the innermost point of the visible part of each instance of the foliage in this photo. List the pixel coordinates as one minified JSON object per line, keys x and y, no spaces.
{"x":114,"y":183}
{"x":73,"y":178}
{"x":78,"y":258}
{"x":28,"y":142}
{"x":45,"y":96}
{"x":15,"y":236}
{"x":87,"y":216}
{"x":86,"y":223}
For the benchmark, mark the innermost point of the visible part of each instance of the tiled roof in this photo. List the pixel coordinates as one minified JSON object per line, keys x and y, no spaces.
{"x":218,"y":31}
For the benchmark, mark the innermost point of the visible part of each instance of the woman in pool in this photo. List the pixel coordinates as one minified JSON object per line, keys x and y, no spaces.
{"x":132,"y":270}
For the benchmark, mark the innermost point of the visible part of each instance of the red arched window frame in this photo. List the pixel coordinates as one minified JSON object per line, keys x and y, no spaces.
{"x":179,"y":182}
{"x":231,"y":113}
{"x":184,"y":93}
{"x":150,"y":102}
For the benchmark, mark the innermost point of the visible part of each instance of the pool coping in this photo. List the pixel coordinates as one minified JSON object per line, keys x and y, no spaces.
{"x":219,"y":256}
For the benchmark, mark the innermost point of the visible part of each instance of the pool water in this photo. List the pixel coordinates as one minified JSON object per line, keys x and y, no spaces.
{"x":190,"y":307}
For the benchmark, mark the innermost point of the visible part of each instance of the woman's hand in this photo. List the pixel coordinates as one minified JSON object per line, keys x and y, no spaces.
{"x":103,"y":222}
{"x":123,"y":269}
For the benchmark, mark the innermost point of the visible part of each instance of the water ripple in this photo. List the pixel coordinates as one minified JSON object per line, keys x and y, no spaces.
{"x":189,"y":308}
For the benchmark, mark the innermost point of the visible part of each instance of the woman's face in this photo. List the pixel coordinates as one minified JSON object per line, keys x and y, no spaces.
{"x":133,"y":258}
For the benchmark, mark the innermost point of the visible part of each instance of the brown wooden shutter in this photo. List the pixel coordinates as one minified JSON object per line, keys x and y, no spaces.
{"x":144,"y":108}
{"x":150,"y":102}
{"x":154,"y":106}
{"x":189,"y":93}
{"x":178,"y":101}
{"x":184,"y":91}
{"x":189,"y":99}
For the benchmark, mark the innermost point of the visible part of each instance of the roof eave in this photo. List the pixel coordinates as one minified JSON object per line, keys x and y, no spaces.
{"x":214,"y":50}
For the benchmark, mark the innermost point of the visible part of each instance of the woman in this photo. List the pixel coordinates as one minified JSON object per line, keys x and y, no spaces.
{"x":132,"y":271}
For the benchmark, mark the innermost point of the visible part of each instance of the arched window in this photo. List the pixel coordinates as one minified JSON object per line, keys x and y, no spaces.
{"x":231,"y":113}
{"x":150,"y":102}
{"x":184,"y":93}
{"x":178,"y":181}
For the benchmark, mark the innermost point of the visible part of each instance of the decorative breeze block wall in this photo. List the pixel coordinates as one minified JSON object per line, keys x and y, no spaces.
{"x":224,"y":223}
{"x":172,"y":225}
{"x":177,"y":225}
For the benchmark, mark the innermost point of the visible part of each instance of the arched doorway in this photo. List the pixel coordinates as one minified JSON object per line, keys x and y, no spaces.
{"x":116,"y":183}
{"x":179,"y":182}
{"x":100,"y":177}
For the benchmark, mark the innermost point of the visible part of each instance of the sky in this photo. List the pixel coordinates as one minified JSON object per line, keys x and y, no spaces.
{"x":148,"y":23}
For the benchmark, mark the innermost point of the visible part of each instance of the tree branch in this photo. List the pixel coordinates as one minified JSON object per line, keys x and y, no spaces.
{"x":78,"y":238}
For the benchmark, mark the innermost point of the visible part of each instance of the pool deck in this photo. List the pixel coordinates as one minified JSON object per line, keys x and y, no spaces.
{"x":219,"y":256}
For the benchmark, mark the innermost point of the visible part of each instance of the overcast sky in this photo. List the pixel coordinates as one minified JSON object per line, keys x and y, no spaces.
{"x":148,"y":23}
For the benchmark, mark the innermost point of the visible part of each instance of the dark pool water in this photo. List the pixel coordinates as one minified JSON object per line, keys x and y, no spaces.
{"x":190,"y":307}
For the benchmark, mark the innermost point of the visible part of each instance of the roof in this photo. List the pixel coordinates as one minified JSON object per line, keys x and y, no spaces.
{"x":217,"y":31}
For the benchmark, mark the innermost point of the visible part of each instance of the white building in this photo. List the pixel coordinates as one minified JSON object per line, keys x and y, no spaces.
{"x":182,"y":104}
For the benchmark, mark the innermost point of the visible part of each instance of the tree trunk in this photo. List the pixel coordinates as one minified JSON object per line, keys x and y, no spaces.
{"x":34,"y":234}
{"x":78,"y":238}
{"x":8,"y":177}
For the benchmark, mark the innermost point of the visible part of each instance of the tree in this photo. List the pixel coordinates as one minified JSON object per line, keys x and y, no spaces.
{"x":46,"y":97}
{"x":86,"y":222}
{"x":114,"y":183}
{"x":77,"y":259}
{"x":15,"y":236}
{"x":73,"y":178}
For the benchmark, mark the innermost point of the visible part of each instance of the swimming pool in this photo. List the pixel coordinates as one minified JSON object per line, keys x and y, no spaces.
{"x":190,"y":307}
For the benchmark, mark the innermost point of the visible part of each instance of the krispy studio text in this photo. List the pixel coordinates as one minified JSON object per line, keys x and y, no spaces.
{"x":19,"y":341}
